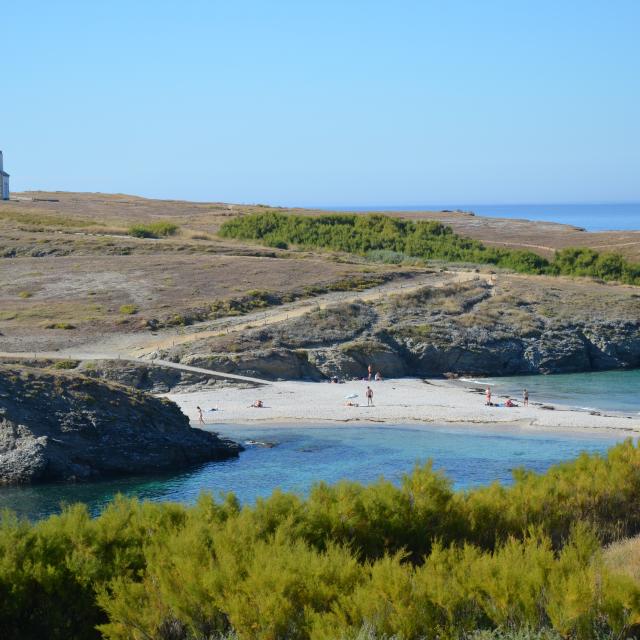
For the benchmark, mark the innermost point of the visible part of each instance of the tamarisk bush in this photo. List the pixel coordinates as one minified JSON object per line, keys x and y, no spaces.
{"x":381,"y":562}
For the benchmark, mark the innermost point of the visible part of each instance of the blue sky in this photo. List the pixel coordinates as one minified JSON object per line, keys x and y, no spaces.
{"x":324,"y":102}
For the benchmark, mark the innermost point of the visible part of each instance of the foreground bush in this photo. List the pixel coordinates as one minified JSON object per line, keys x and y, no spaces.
{"x":413,"y":561}
{"x":395,"y":240}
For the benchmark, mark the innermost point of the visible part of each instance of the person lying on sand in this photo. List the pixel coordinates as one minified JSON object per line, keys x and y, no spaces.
{"x":257,"y":404}
{"x":348,"y":403}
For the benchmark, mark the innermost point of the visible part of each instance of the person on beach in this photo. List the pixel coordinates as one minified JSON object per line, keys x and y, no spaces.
{"x":487,"y":394}
{"x":257,"y":404}
{"x":378,"y":377}
{"x":369,"y":373}
{"x":369,"y":397}
{"x":525,"y":398}
{"x":200,"y":418}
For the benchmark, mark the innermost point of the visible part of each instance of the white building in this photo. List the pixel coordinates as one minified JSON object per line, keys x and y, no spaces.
{"x":4,"y":182}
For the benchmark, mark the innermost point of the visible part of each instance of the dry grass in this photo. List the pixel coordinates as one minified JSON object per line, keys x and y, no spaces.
{"x":92,"y":292}
{"x":624,"y":557}
{"x":36,"y":218}
{"x":514,"y":304}
{"x":70,"y":254}
{"x":205,"y":218}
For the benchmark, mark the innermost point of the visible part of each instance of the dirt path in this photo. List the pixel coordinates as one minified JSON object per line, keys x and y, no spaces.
{"x":216,"y":374}
{"x":301,"y":308}
{"x":132,"y":347}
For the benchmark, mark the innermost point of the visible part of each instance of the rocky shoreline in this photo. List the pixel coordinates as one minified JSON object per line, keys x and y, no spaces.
{"x":60,"y":426}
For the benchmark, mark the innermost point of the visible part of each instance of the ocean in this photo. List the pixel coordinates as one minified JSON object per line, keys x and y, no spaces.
{"x":592,"y":217}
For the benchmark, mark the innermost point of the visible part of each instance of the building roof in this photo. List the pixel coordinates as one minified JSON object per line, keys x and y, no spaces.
{"x":4,"y":173}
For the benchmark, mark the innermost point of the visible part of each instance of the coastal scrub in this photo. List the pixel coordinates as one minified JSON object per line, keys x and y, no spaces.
{"x":410,"y":561}
{"x":390,"y":239}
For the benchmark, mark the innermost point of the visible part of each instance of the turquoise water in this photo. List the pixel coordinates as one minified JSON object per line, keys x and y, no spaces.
{"x":304,"y":455}
{"x":604,"y":390}
{"x":592,"y":217}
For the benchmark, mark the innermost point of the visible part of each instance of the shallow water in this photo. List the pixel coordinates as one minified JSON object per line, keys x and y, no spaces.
{"x":305,"y":455}
{"x":603,"y":390}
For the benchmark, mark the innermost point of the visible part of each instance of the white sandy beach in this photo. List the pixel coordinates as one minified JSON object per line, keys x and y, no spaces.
{"x":398,"y":401}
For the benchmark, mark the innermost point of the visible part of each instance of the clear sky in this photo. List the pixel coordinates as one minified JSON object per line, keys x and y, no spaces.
{"x":323,"y":102}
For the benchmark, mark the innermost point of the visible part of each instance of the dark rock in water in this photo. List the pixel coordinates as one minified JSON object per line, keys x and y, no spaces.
{"x":62,"y":426}
{"x":259,"y":443}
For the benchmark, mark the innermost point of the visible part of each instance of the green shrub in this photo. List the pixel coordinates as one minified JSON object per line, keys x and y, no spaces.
{"x":386,"y":256}
{"x":160,"y":229}
{"x":413,"y":331}
{"x":413,"y":561}
{"x":395,"y":240}
{"x":128,"y":309}
{"x":25,"y":294}
{"x":60,"y":325}
{"x":65,"y":364}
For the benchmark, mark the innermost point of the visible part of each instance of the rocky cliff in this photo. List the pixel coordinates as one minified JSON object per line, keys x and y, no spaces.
{"x":64,"y":426}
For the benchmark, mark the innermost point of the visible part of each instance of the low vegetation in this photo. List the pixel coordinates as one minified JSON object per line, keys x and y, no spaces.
{"x":161,"y":229}
{"x":65,"y":364}
{"x":128,"y":309}
{"x":37,"y":219}
{"x":417,"y":560}
{"x":395,"y":240}
{"x":256,"y":299}
{"x":67,"y":326}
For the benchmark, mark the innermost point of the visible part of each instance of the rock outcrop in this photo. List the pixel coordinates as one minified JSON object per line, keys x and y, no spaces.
{"x":147,"y":376}
{"x":63,"y":426}
{"x":519,"y":325}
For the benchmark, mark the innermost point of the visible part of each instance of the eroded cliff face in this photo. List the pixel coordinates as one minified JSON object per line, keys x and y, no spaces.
{"x":61,"y":426}
{"x":505,"y":326}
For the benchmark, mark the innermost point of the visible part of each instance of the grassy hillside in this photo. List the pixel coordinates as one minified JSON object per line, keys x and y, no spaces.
{"x":84,"y":267}
{"x":503,"y":324}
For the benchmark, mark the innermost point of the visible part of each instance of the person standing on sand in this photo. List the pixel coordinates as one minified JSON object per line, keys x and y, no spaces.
{"x":525,"y":398}
{"x":487,"y":394}
{"x":369,"y":372}
{"x":200,"y":418}
{"x":369,"y":397}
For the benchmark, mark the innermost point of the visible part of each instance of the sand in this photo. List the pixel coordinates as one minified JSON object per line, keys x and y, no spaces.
{"x":399,"y":401}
